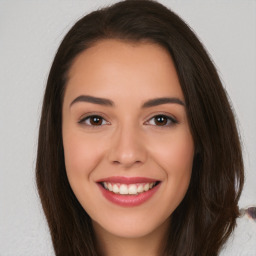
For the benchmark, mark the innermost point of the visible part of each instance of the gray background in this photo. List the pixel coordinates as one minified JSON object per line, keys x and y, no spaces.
{"x":30,"y":32}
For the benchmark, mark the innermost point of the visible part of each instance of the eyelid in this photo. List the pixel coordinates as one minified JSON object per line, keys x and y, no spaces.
{"x":86,"y":116}
{"x":170,"y":117}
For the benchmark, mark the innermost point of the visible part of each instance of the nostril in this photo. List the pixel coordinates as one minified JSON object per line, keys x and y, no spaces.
{"x":126,"y":164}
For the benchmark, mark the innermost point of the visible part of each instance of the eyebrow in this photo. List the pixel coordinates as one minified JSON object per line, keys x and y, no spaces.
{"x":160,"y":101}
{"x":94,"y":100}
{"x":107,"y":102}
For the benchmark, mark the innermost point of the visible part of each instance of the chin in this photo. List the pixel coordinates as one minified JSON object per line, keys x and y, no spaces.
{"x":128,"y":227}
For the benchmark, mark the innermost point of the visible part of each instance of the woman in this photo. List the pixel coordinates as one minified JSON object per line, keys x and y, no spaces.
{"x":138,"y":148}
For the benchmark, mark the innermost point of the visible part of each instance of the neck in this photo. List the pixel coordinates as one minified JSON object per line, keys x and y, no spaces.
{"x":151,"y":244}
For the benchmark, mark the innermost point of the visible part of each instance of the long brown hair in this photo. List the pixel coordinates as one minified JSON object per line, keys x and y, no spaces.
{"x":207,"y":215}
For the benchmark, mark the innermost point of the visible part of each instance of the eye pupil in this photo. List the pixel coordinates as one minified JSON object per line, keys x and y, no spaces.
{"x":161,"y":120}
{"x":96,"y":120}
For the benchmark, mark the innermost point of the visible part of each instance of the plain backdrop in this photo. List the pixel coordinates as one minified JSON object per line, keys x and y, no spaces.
{"x":30,"y":32}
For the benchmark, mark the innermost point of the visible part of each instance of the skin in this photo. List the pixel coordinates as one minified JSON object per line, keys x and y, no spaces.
{"x":128,"y":141}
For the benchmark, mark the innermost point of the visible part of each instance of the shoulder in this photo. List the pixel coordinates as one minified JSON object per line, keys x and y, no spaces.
{"x":242,"y":242}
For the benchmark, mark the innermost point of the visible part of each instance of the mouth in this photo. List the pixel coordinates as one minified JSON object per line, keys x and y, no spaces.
{"x":128,"y":191}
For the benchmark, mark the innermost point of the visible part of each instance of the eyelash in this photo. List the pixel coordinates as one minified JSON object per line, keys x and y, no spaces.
{"x":90,"y":117}
{"x":168,"y":121}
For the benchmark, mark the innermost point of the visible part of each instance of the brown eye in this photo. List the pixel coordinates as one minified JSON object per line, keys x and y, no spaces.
{"x":93,"y":120}
{"x":162,"y":120}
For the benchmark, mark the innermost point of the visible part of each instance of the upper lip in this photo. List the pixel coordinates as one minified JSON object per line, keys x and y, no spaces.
{"x":127,"y":180}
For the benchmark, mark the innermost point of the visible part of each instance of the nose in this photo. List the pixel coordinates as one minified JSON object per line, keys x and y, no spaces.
{"x":127,"y":148}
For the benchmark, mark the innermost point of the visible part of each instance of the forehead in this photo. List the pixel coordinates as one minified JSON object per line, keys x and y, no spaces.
{"x":124,"y":68}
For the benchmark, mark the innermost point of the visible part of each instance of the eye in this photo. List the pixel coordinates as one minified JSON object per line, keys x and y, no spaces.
{"x":93,"y":120}
{"x":162,"y":120}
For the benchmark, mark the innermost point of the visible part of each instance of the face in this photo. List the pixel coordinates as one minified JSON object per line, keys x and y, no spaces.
{"x":127,"y":144}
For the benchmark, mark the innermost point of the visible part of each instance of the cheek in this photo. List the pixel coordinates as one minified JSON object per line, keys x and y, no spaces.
{"x":81,"y":155}
{"x":175,"y":153}
{"x":175,"y":156}
{"x":177,"y":164}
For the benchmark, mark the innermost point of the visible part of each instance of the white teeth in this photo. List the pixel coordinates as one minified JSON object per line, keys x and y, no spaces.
{"x":123,"y":190}
{"x":131,"y":189}
{"x":140,"y":188}
{"x":110,"y":188}
{"x":146,"y":187}
{"x":115,"y":189}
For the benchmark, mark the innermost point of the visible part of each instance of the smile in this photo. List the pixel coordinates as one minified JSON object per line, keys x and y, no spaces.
{"x":131,"y":189}
{"x":128,"y":191}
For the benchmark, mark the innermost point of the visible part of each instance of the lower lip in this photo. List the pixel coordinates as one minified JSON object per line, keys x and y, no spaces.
{"x":128,"y":200}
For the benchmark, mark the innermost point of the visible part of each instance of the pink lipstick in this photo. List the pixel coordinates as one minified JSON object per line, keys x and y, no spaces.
{"x":128,"y":191}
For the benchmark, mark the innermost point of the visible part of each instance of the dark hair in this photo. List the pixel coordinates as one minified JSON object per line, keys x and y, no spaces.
{"x":207,"y":215}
